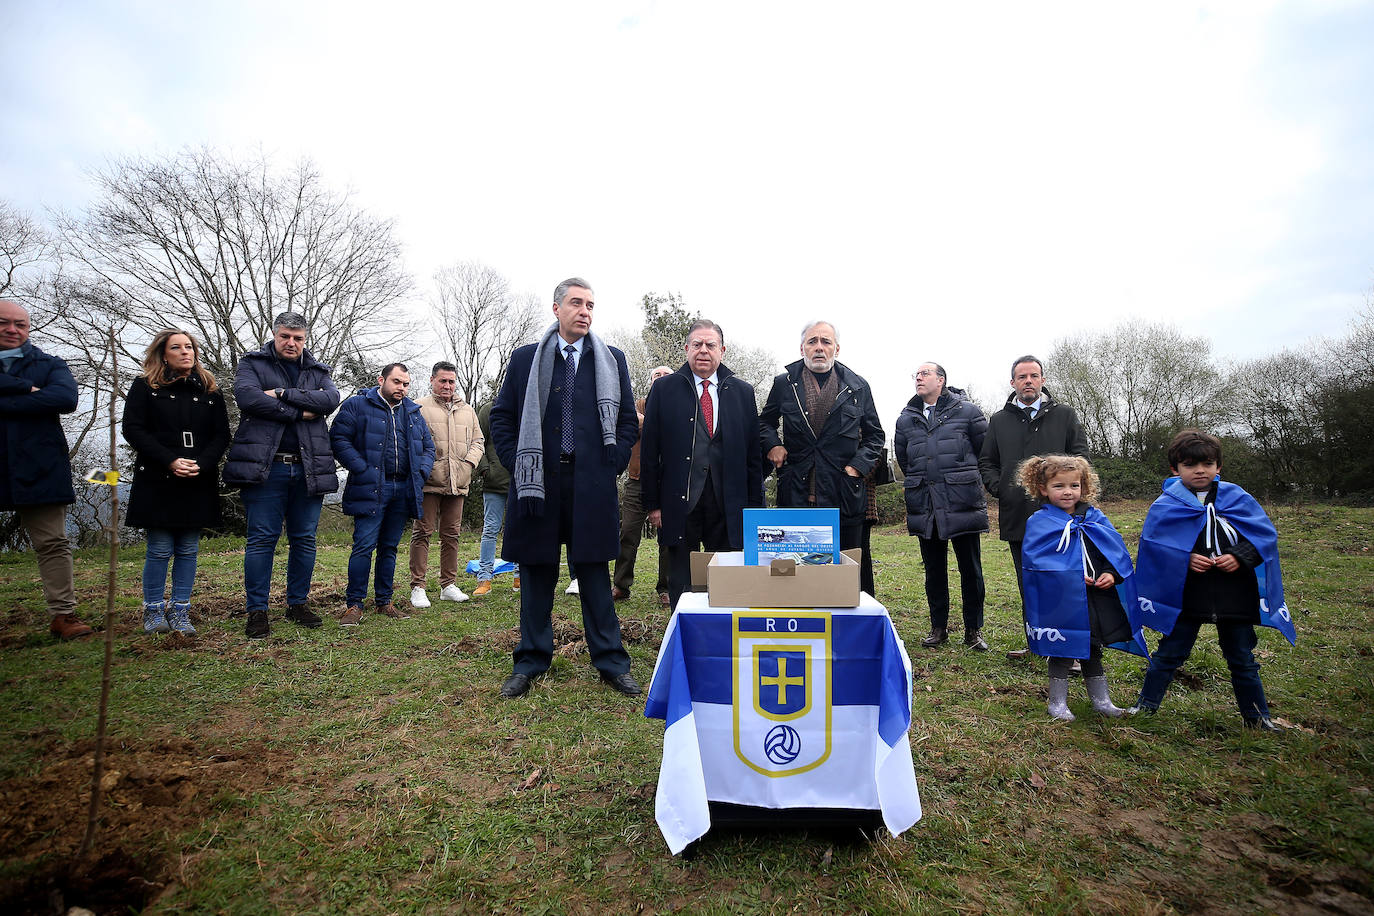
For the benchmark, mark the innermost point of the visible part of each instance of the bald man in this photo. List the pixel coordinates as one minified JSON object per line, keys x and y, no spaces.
{"x":35,"y":473}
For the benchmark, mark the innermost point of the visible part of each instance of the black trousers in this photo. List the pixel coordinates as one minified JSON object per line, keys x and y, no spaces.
{"x":705,"y":529}
{"x":866,"y":566}
{"x":1015,"y":548}
{"x":534,"y":654}
{"x":935,"y":558}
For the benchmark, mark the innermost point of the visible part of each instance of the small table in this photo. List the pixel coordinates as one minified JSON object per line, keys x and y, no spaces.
{"x":781,"y":708}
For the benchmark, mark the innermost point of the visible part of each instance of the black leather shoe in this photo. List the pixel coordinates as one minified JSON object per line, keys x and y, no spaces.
{"x":517,"y":685}
{"x":973,"y":639}
{"x":301,"y":614}
{"x":623,"y":683}
{"x":258,"y":626}
{"x":937,"y":637}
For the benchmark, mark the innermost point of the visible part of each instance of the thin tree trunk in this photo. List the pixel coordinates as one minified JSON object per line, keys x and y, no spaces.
{"x":99,"y":771}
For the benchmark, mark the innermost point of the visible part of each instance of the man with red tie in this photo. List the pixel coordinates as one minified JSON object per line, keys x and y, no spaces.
{"x":701,"y":458}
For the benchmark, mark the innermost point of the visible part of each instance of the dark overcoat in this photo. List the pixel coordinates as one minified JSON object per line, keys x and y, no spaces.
{"x":939,"y":461}
{"x":179,"y":419}
{"x":263,"y":418}
{"x":1012,"y":439}
{"x":595,"y":535}
{"x":34,"y":467}
{"x":852,"y":435}
{"x":364,"y":427}
{"x":666,"y":451}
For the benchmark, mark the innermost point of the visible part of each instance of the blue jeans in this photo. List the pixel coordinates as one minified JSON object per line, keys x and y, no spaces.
{"x":163,"y":544}
{"x":380,"y":532}
{"x":1238,"y":642}
{"x":282,"y":497}
{"x":493,"y":518}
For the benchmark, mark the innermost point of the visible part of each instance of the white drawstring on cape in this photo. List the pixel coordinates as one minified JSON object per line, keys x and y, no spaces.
{"x":1067,"y":535}
{"x":1214,"y":522}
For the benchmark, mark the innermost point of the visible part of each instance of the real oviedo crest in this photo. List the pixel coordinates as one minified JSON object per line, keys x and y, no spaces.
{"x":782,"y":712}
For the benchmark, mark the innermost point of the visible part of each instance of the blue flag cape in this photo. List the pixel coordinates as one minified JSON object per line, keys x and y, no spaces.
{"x":1057,"y":621}
{"x":1171,"y":529}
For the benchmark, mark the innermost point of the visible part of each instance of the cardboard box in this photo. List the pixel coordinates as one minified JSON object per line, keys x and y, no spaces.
{"x":785,"y":583}
{"x":700,"y":561}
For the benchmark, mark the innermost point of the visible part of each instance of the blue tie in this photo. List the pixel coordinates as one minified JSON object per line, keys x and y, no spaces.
{"x":569,"y":376}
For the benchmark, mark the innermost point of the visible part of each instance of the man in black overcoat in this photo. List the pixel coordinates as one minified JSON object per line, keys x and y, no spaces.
{"x":701,"y":458}
{"x":831,"y":435}
{"x":564,"y":423}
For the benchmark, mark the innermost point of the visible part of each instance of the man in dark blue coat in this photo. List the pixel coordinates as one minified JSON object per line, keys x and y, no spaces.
{"x":384,"y":443}
{"x":564,"y":424}
{"x":701,"y":457}
{"x":281,"y":459}
{"x":35,"y":473}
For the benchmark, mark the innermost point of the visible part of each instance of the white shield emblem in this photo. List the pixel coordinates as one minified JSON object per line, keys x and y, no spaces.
{"x":782,"y":690}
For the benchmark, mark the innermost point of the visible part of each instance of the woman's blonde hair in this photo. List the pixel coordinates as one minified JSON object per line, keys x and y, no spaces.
{"x":1035,"y":473}
{"x":155,"y":369}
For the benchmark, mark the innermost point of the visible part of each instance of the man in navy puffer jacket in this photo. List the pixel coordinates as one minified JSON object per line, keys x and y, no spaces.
{"x":280,"y":458}
{"x":384,"y":443}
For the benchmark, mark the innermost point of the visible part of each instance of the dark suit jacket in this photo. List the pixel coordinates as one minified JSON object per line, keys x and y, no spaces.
{"x":596,"y":504}
{"x":670,"y":419}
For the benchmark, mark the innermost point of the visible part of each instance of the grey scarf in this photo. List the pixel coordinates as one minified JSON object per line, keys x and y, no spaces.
{"x":529,"y":448}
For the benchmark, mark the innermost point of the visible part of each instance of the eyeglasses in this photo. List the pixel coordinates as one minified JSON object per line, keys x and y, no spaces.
{"x":703,"y":345}
{"x":923,"y":373}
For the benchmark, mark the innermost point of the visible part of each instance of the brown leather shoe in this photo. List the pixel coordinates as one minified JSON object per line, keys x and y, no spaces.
{"x":619,"y":594}
{"x":392,"y":611}
{"x":67,"y":627}
{"x":663,"y":599}
{"x":352,"y":616}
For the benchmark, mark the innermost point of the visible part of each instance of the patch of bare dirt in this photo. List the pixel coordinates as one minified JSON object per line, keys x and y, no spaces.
{"x":153,"y":790}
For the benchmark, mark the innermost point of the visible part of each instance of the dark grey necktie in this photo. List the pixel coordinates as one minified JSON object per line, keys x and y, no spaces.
{"x":930,"y":412}
{"x":569,"y":377}
{"x":1030,"y":413}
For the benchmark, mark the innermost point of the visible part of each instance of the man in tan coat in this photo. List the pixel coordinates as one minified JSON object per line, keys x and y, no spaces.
{"x":458,"y":447}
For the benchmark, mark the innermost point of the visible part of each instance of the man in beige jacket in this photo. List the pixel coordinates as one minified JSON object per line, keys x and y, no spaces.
{"x":458,"y":447}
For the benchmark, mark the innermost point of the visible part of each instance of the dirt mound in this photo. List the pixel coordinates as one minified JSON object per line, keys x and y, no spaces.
{"x":154,"y":792}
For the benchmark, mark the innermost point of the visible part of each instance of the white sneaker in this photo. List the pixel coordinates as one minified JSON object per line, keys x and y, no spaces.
{"x":452,"y":593}
{"x":572,"y":588}
{"x":418,"y":598}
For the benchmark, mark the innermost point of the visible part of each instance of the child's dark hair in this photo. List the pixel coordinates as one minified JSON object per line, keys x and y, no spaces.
{"x":1035,"y":473}
{"x":1193,"y":446}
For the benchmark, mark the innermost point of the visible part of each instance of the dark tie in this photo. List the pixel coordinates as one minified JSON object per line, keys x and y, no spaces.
{"x":706,"y":405}
{"x":930,"y":408}
{"x":569,"y":377}
{"x":1030,"y":413}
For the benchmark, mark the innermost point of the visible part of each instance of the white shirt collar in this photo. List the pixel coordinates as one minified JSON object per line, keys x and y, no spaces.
{"x":1035,"y":407}
{"x":564,"y":343}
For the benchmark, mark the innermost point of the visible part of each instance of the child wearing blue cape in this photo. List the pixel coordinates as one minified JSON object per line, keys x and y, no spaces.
{"x":1079,"y":588}
{"x":1209,"y":554}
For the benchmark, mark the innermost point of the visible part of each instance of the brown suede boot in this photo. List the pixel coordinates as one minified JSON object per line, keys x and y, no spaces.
{"x":392,"y":611}
{"x":67,"y":627}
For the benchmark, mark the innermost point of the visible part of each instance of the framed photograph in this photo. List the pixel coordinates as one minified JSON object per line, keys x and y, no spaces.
{"x":810,"y":536}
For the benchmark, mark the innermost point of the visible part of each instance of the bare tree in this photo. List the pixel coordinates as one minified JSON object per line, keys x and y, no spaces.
{"x":23,"y":244}
{"x":219,"y":247}
{"x":1133,"y":386}
{"x":481,"y":323}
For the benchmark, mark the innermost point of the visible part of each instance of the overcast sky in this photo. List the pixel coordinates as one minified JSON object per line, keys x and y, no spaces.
{"x":958,"y":182}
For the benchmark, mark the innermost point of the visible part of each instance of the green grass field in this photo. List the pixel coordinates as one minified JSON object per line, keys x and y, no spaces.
{"x":376,"y":770}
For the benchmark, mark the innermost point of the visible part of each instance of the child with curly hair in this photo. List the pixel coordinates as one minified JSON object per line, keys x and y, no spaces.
{"x":1080,"y":595}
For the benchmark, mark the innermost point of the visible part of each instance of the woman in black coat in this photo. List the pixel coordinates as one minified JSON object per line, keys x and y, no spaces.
{"x":176,"y":421}
{"x":937,"y":441}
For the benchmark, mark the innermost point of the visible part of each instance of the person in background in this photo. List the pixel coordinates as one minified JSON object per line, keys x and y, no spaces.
{"x":36,"y":388}
{"x":495,"y":482}
{"x":937,"y":442}
{"x":633,"y":516}
{"x":282,"y":461}
{"x":458,"y":447}
{"x":176,"y":420}
{"x":384,"y":443}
